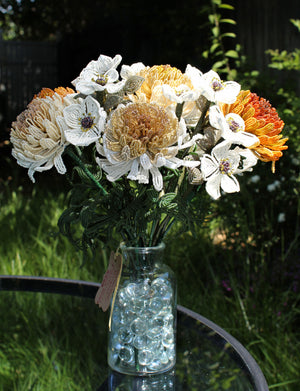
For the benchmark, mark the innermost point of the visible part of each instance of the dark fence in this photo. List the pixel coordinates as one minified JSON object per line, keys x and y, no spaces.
{"x":25,"y":68}
{"x":263,"y":25}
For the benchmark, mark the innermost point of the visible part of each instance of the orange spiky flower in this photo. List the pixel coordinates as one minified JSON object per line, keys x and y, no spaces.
{"x":262,"y":120}
{"x":59,"y":90}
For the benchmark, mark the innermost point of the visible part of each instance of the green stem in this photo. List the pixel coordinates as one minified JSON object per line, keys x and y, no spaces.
{"x":87,"y":172}
{"x":179,"y":108}
{"x":199,"y":125}
{"x":160,"y":230}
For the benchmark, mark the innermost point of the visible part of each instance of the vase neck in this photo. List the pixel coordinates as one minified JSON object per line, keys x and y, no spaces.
{"x":142,"y":258}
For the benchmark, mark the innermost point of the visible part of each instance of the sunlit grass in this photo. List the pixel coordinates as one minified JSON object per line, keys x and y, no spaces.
{"x":254,"y":300}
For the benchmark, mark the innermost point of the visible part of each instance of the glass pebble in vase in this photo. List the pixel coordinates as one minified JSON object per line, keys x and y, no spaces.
{"x":142,"y":333}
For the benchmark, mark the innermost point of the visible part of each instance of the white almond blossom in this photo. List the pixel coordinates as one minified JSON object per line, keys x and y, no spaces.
{"x":85,"y":121}
{"x":232,"y":127}
{"x":100,"y":75}
{"x":219,"y":167}
{"x":213,"y":88}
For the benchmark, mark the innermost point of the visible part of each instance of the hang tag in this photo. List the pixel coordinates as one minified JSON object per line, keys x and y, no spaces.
{"x":110,"y":281}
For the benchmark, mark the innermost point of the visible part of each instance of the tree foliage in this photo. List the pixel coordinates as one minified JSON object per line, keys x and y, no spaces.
{"x":46,"y":20}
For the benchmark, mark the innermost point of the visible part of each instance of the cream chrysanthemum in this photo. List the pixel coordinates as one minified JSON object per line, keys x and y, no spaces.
{"x":140,"y":138}
{"x":36,"y":135}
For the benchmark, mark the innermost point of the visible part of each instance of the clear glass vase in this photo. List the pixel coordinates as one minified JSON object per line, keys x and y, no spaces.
{"x":142,"y":334}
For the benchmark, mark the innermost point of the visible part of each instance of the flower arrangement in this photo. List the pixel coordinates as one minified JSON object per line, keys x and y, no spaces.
{"x":147,"y":147}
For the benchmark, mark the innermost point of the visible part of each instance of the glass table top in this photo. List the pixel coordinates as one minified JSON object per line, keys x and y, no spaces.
{"x":67,"y":336}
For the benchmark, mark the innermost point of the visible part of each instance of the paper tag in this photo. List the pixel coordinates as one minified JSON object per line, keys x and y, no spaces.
{"x":110,"y":280}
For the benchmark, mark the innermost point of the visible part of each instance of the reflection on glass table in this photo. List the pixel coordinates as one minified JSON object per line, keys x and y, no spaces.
{"x":208,"y":358}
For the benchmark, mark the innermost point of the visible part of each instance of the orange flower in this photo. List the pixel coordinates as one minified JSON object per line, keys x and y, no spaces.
{"x":262,"y":120}
{"x":59,"y":90}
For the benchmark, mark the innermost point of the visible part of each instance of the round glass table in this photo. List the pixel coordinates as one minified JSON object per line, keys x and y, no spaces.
{"x":208,"y":358}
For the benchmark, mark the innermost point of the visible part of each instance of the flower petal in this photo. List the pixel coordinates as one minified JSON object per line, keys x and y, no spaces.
{"x":157,"y":178}
{"x":229,"y":184}
{"x":209,"y":166}
{"x":213,"y":186}
{"x":221,"y":150}
{"x":145,"y":161}
{"x":229,"y":93}
{"x":134,"y":170}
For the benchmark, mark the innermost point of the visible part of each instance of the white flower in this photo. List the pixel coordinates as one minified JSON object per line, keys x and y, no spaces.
{"x":84,"y":121}
{"x":139,"y":139}
{"x":232,"y":127}
{"x":281,"y":218}
{"x":213,"y":88}
{"x":273,"y":186}
{"x":132,"y":70}
{"x":255,"y":179}
{"x":100,"y":75}
{"x":219,"y":167}
{"x":180,"y":94}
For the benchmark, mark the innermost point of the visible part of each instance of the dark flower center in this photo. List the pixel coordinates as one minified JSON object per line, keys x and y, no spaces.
{"x":87,"y":123}
{"x":217,"y":85}
{"x":234,"y":126}
{"x":225,"y":166}
{"x":102,"y":80}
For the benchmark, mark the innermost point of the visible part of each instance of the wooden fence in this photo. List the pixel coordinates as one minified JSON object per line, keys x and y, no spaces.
{"x":265,"y":24}
{"x":25,"y":68}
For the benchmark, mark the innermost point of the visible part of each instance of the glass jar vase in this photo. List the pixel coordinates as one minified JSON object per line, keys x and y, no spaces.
{"x":142,"y":334}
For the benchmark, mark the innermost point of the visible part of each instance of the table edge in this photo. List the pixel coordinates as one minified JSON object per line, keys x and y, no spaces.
{"x":88,"y":289}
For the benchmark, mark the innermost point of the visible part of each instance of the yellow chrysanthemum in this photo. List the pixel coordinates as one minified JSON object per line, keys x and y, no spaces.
{"x":151,"y":91}
{"x":262,"y":120}
{"x":36,"y":135}
{"x":158,"y":75}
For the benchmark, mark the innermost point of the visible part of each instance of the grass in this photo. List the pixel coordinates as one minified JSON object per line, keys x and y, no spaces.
{"x":231,"y":284}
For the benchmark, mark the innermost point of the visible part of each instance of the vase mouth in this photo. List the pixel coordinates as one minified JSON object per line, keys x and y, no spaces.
{"x":144,"y":250}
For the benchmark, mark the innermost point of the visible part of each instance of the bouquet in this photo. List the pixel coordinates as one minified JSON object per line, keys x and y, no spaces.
{"x":144,"y":147}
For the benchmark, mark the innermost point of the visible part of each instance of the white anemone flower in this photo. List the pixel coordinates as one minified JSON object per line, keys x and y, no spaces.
{"x":232,"y":127}
{"x":84,"y":121}
{"x":100,"y":75}
{"x":180,"y":94}
{"x":139,"y":139}
{"x":219,"y":167}
{"x":213,"y":88}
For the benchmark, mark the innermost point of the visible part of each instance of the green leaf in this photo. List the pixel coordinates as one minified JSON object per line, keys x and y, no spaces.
{"x":214,"y":47}
{"x":296,"y":23}
{"x":219,"y":64}
{"x":212,"y":18}
{"x":232,"y":53}
{"x":226,"y":6}
{"x":216,"y":31}
{"x":230,"y":21}
{"x":231,"y":35}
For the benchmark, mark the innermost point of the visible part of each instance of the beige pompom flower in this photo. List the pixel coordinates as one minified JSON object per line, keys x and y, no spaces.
{"x":37,"y":136}
{"x":139,"y":139}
